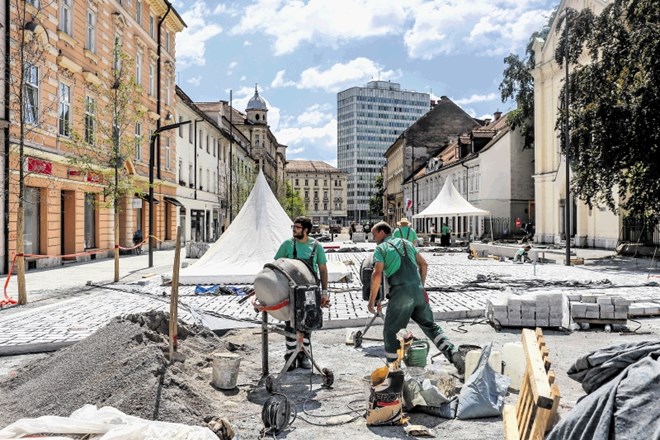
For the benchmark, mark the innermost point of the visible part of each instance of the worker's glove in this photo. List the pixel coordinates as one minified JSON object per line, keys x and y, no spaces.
{"x":325,"y":298}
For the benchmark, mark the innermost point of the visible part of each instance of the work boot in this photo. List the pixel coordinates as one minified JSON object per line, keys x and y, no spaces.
{"x":459,"y":362}
{"x":293,"y":364}
{"x":303,"y":361}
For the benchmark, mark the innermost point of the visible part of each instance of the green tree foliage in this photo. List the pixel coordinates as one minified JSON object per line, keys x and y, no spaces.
{"x":613,"y":105}
{"x":376,"y":200}
{"x":292,"y":202}
{"x":518,"y":84}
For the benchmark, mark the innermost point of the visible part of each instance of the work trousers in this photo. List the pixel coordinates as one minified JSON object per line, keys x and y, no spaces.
{"x":406,"y":303}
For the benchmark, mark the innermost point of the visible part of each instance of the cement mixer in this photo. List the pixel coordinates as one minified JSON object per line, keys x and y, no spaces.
{"x":288,"y":290}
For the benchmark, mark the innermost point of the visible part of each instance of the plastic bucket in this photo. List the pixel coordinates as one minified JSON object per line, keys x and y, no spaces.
{"x":225,"y":370}
{"x":417,"y":353}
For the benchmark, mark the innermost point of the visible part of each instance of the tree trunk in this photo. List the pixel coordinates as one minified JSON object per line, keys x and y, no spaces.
{"x":20,"y":248}
{"x":116,"y":228}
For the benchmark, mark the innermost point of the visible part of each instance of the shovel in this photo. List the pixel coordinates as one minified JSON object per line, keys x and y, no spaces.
{"x":359,"y":335}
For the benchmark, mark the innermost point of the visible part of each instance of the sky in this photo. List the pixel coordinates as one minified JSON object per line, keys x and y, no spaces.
{"x":300,"y":53}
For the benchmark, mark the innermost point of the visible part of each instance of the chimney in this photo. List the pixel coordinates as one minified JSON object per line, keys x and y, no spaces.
{"x":497,"y":115}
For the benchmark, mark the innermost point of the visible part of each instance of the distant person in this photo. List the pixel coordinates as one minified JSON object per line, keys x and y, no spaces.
{"x":432,"y":233}
{"x":405,"y":231}
{"x":137,"y":241}
{"x":351,"y":230}
{"x":405,"y":270}
{"x":445,"y":234}
{"x":522,"y":255}
{"x":304,"y":248}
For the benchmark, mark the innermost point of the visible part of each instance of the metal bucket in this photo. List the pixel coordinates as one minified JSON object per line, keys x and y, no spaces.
{"x":417,"y":354}
{"x":225,"y":370}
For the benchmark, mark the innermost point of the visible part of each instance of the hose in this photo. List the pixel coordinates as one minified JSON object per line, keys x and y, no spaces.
{"x":277,"y":414}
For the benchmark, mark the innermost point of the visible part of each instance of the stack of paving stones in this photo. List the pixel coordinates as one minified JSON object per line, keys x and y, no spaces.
{"x":536,"y":310}
{"x":598,"y":307}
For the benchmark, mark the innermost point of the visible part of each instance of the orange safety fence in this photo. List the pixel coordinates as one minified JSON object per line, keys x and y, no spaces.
{"x":9,"y":301}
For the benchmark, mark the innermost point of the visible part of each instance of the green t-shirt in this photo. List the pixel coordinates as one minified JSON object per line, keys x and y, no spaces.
{"x":386,"y":254}
{"x":445,"y":229}
{"x":405,"y":232}
{"x":303,"y":251}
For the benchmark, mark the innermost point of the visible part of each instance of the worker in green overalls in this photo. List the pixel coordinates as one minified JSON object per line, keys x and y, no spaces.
{"x":303,"y":247}
{"x":405,"y":270}
{"x":406,"y":231}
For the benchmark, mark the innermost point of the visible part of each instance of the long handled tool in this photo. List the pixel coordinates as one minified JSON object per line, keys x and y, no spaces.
{"x":359,"y":335}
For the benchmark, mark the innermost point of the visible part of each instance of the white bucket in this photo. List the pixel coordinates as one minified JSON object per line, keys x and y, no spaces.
{"x":225,"y":370}
{"x":472,"y":359}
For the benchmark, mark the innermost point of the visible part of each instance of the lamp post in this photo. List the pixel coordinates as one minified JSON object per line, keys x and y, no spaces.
{"x":567,"y":204}
{"x":152,"y":142}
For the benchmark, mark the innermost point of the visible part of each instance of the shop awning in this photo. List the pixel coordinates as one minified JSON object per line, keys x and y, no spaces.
{"x":145,"y":197}
{"x":173,"y":201}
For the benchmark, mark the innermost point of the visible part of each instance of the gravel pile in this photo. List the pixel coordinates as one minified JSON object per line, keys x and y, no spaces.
{"x":123,"y":365}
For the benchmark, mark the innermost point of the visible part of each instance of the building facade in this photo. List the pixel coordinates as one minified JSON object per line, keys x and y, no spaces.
{"x":592,"y":227}
{"x":411,"y":151}
{"x":322,"y":188}
{"x":490,"y":169}
{"x":74,"y":47}
{"x":369,"y":119}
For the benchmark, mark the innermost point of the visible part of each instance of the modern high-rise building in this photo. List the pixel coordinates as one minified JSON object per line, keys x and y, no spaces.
{"x":369,"y":119}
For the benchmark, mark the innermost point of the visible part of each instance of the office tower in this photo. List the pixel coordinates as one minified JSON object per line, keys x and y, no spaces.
{"x":369,"y":120}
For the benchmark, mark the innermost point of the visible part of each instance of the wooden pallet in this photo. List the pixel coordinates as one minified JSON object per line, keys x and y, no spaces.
{"x":536,"y":410}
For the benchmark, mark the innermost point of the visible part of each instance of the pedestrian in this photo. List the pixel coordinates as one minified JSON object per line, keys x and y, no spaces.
{"x":137,"y":241}
{"x":432,"y":233}
{"x":303,"y":247}
{"x":406,"y":231}
{"x":351,"y":230}
{"x":522,"y":255}
{"x":405,"y":270}
{"x":445,"y":234}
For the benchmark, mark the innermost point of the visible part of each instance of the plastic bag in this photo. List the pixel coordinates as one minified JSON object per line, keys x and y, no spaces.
{"x":484,"y":391}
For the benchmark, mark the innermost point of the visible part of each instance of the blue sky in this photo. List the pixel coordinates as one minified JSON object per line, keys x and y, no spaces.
{"x":301,"y":53}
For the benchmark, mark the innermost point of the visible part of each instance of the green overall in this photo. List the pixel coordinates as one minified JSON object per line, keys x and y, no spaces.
{"x":406,"y":301}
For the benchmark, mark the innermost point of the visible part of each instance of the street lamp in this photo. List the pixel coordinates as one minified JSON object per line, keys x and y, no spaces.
{"x":152,"y":142}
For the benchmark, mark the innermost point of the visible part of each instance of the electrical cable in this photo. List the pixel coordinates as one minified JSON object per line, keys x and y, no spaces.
{"x":277,"y":414}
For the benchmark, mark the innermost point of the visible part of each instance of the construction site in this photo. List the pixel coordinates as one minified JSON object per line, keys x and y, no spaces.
{"x":198,"y":349}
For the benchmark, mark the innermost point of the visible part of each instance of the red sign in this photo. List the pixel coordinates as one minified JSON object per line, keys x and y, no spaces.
{"x":38,"y":166}
{"x":74,"y":172}
{"x":93,"y":177}
{"x":518,"y":223}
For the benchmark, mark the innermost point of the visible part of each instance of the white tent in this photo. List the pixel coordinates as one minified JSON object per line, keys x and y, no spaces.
{"x":251,"y":241}
{"x":449,"y":202}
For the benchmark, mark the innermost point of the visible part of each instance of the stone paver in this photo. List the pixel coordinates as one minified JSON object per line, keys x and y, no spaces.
{"x":458,"y":288}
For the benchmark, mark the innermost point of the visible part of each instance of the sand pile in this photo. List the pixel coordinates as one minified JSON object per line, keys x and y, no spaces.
{"x":123,"y":365}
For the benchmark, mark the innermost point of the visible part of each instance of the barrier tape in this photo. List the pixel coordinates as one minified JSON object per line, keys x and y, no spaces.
{"x":10,"y":301}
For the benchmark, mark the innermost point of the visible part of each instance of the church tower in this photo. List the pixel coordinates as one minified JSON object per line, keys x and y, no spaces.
{"x":257,"y":109}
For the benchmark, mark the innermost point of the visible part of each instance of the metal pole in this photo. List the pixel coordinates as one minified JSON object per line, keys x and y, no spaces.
{"x":231,"y":160}
{"x":567,"y":204}
{"x":151,"y":197}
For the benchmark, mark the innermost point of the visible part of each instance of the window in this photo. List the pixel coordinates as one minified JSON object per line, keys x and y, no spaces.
{"x":138,"y":11}
{"x":190,"y":133}
{"x":213,"y":139}
{"x":64,"y":117}
{"x":31,"y":103}
{"x":152,"y":27}
{"x":306,"y":182}
{"x":200,"y":139}
{"x":200,"y":178}
{"x":138,"y":68}
{"x":316,"y":194}
{"x":316,"y":206}
{"x":297,"y":184}
{"x":152,"y":79}
{"x":138,"y":141}
{"x":180,"y":127}
{"x":180,"y":170}
{"x":34,"y":3}
{"x":168,"y":82}
{"x":90,"y":37}
{"x":90,"y":110}
{"x":306,"y":194}
{"x":316,"y":182}
{"x":167,"y":153}
{"x":208,"y":150}
{"x":167,"y":41}
{"x":208,"y":180}
{"x":66,"y":16}
{"x":191,"y":175}
{"x":325,"y":206}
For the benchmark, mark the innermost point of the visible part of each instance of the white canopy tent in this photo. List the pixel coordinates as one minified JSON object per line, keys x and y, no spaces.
{"x":449,"y":202}
{"x":251,"y":241}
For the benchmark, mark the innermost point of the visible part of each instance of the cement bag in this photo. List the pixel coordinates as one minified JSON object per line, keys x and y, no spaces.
{"x":272,"y":284}
{"x":426,"y":397}
{"x":484,"y":391}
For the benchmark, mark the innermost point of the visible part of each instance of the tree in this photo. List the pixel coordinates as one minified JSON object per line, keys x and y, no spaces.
{"x":28,"y":50}
{"x":291,"y":201}
{"x":614,"y":98}
{"x":518,"y":84}
{"x":376,"y":199}
{"x":106,"y":144}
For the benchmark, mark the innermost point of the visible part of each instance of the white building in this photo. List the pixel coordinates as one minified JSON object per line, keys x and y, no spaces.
{"x":202,"y":158}
{"x":369,"y":120}
{"x":596,"y":227}
{"x":490,"y":169}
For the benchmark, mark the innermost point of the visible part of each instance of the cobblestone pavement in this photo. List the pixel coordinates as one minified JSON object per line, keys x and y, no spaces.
{"x":458,"y":288}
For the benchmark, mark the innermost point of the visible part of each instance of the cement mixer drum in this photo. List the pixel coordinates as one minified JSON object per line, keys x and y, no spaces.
{"x":272,"y":285}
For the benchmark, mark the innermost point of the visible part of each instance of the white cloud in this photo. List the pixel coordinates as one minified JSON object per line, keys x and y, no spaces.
{"x":243,"y":78}
{"x":195,"y":80}
{"x":338,"y":76}
{"x":428,"y":28}
{"x":315,"y":115}
{"x":292,"y":23}
{"x":191,"y":43}
{"x":294,"y":151}
{"x":477,"y":98}
{"x":247,"y":43}
{"x":319,"y":141}
{"x":231,"y":67}
{"x":220,"y":9}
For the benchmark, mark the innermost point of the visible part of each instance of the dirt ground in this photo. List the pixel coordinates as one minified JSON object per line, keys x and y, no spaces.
{"x":322,"y":413}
